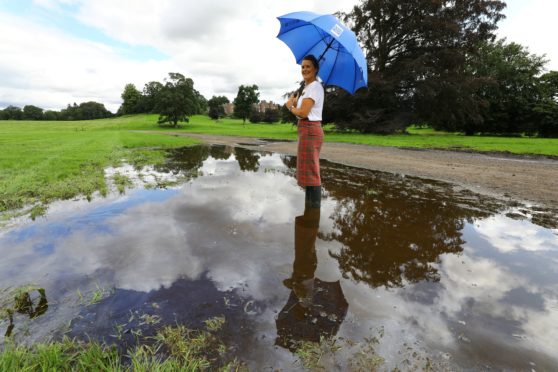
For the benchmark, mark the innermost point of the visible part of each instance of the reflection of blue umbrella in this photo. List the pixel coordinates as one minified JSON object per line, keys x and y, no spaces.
{"x":342,"y":62}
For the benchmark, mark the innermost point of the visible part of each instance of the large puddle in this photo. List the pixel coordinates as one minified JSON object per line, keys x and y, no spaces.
{"x":406,"y":272}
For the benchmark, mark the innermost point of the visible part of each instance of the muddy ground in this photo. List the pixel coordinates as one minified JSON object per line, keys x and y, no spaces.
{"x":531,"y":179}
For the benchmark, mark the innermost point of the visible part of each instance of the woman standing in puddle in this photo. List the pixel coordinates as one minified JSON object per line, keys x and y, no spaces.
{"x":307,"y":105}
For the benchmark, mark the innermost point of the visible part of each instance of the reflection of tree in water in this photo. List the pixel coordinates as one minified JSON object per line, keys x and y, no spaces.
{"x":248,"y":160}
{"x":392,"y":228}
{"x":185,"y":159}
{"x":190,"y":159}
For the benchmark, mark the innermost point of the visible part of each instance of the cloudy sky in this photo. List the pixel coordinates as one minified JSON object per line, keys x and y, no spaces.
{"x":55,"y":52}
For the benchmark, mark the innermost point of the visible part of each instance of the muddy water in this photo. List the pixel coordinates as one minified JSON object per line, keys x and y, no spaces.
{"x":415,"y":272}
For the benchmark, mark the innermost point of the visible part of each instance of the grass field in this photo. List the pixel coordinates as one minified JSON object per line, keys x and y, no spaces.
{"x":43,"y":161}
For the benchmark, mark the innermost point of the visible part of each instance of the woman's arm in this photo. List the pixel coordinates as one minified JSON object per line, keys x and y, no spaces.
{"x":304,"y":109}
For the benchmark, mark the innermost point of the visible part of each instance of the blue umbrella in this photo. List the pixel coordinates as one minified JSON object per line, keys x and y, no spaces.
{"x":342,"y":62}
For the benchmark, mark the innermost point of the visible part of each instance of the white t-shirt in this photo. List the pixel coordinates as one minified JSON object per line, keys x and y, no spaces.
{"x":315,"y":91}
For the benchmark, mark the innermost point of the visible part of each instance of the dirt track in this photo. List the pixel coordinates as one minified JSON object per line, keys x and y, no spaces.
{"x":520,"y":178}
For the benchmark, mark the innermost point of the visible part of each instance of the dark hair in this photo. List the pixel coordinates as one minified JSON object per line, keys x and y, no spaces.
{"x":315,"y":63}
{"x":314,"y":60}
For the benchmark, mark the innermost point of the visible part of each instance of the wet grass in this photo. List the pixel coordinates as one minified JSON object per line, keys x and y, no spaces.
{"x":175,"y":348}
{"x":311,"y":355}
{"x":122,"y":182}
{"x":45,"y":161}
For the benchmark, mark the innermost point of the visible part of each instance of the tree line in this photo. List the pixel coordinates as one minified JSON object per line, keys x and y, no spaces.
{"x":83,"y":111}
{"x":176,"y":100}
{"x":439,"y":63}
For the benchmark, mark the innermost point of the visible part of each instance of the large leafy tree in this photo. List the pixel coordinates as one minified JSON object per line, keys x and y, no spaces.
{"x":83,"y":111}
{"x":177,"y":100}
{"x":247,"y":96}
{"x":546,"y":111}
{"x":216,"y":107}
{"x":512,"y":89}
{"x":93,"y":110}
{"x":131,"y":100}
{"x":31,"y":112}
{"x":51,"y":115}
{"x":202,"y":103}
{"x":151,"y":93}
{"x":417,"y":53}
{"x":12,"y":113}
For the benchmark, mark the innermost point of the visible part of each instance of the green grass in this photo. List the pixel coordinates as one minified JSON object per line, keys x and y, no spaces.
{"x":174,"y":348}
{"x":45,"y":161}
{"x":42,"y":161}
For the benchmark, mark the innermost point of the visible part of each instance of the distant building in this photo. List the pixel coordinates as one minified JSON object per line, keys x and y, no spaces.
{"x":262,"y":107}
{"x":229,"y":108}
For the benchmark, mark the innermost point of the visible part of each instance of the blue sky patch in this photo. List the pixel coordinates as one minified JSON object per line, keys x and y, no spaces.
{"x":63,"y":18}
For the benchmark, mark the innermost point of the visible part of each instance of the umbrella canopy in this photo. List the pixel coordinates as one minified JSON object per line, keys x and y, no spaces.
{"x":341,"y":60}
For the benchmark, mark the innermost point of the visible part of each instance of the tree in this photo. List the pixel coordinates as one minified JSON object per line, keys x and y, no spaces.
{"x":417,"y":52}
{"x":271,"y":116}
{"x":131,"y":100}
{"x":216,"y":109}
{"x":245,"y":98}
{"x":151,"y":93}
{"x":178,"y":100}
{"x":512,"y":88}
{"x":13,"y":113}
{"x":549,"y":85}
{"x":546,"y":116}
{"x":31,"y":112}
{"x":202,"y":103}
{"x":255,"y":115}
{"x":51,"y":115}
{"x":93,"y":110}
{"x":287,"y":116}
{"x":72,"y":112}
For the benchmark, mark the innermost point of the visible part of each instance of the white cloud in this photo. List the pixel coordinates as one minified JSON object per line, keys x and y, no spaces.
{"x":46,"y":67}
{"x":531,"y":23}
{"x":219,"y":44}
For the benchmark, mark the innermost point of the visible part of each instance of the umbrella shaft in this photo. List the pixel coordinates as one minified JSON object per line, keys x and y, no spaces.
{"x":326,"y":49}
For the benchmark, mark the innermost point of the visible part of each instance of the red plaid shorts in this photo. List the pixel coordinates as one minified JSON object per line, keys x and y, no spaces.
{"x":310,"y":139}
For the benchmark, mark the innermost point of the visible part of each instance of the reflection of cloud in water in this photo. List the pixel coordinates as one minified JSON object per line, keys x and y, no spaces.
{"x":506,"y":234}
{"x":483,"y":295}
{"x":145,"y":250}
{"x":206,"y":228}
{"x":226,"y":224}
{"x":211,"y":165}
{"x":472,"y":300}
{"x":270,"y":197}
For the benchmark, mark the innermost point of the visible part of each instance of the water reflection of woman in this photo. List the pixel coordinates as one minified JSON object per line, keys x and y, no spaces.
{"x":315,"y":308}
{"x":307,"y":105}
{"x":305,"y":262}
